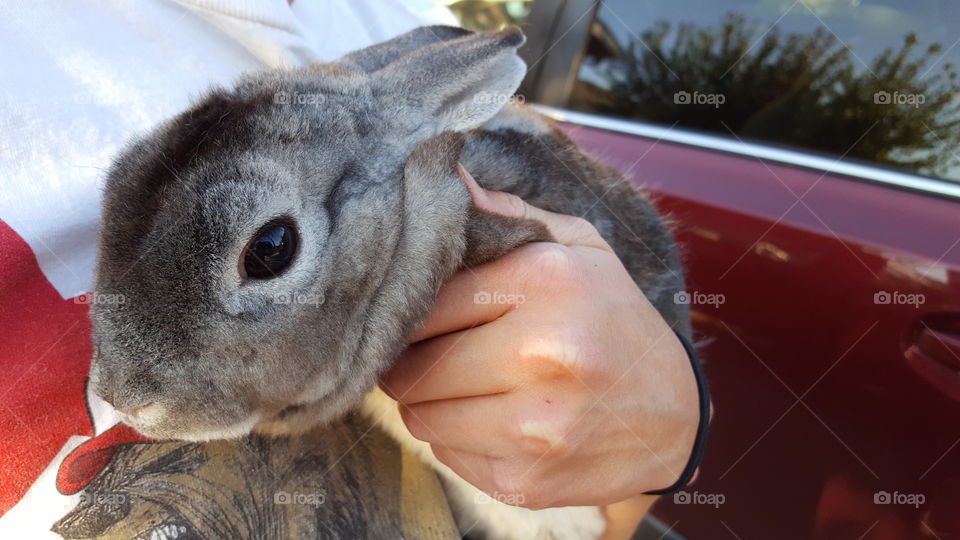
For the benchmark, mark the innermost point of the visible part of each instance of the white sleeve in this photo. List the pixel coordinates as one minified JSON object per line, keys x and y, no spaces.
{"x":79,"y":78}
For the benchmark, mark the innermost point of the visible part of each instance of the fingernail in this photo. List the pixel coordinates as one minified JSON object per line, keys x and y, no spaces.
{"x":473,"y":187}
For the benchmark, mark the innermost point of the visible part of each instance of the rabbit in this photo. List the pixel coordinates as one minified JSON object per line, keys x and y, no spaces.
{"x":278,"y":243}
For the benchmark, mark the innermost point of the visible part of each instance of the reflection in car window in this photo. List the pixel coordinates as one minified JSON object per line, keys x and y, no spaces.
{"x":873,"y":80}
{"x":489,"y":15}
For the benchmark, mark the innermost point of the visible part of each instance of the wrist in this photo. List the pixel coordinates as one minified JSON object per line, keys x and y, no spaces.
{"x":625,"y":516}
{"x":698,"y":445}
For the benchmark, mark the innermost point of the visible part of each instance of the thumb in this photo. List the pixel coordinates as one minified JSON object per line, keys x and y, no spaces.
{"x":566,"y":230}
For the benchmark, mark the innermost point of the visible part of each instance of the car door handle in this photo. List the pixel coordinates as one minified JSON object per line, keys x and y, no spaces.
{"x":934,"y":353}
{"x":941,"y":346}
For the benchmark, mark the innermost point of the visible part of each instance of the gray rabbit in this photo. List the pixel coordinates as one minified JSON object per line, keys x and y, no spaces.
{"x":278,"y":243}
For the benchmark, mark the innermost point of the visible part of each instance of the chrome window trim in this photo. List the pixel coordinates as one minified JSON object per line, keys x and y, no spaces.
{"x":790,"y":157}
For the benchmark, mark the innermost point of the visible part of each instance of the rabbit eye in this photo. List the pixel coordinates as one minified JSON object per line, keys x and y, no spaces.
{"x":271,"y":250}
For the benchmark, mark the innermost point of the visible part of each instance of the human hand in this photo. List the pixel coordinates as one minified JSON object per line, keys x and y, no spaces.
{"x":546,"y":378}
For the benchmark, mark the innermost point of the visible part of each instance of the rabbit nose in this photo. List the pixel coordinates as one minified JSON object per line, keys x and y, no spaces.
{"x":128,"y":395}
{"x":124,"y":406}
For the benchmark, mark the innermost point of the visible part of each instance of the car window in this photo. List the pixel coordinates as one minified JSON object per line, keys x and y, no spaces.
{"x":872,"y":80}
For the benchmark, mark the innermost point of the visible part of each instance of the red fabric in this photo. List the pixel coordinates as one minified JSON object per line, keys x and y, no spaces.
{"x":45,"y":355}
{"x":86,"y":460}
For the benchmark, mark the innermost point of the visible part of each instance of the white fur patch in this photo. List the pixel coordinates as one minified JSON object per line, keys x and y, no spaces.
{"x":235,"y":431}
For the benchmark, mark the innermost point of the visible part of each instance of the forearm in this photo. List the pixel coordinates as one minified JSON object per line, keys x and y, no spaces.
{"x":624,"y":517}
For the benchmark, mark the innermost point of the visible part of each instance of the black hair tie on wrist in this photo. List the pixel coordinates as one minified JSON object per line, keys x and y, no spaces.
{"x":703,"y":429}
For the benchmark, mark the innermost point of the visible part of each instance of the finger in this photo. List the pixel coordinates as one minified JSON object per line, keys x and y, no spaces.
{"x":567,"y":230}
{"x":462,"y":302}
{"x":501,"y":479}
{"x":475,"y":424}
{"x":479,"y":295}
{"x":474,"y":362}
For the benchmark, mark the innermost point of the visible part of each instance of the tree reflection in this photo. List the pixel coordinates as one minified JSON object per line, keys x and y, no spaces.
{"x":806,"y":90}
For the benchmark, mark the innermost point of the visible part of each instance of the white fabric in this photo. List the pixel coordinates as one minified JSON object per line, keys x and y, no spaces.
{"x":78,"y":78}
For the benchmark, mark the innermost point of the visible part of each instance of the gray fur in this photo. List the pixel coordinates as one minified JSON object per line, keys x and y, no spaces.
{"x":365,"y":162}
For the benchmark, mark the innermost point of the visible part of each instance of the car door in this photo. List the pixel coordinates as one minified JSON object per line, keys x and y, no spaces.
{"x":805,"y":153}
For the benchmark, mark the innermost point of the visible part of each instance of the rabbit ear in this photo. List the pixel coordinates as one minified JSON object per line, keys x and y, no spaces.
{"x":490,"y":236}
{"x":453,"y":85}
{"x":439,"y":203}
{"x":380,"y":55}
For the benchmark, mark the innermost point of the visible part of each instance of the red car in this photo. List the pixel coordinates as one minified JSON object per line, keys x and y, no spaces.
{"x":807,"y":156}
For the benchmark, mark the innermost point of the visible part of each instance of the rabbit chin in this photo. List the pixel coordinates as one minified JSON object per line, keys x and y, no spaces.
{"x":300,"y":418}
{"x":293,"y":421}
{"x":194,"y":434}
